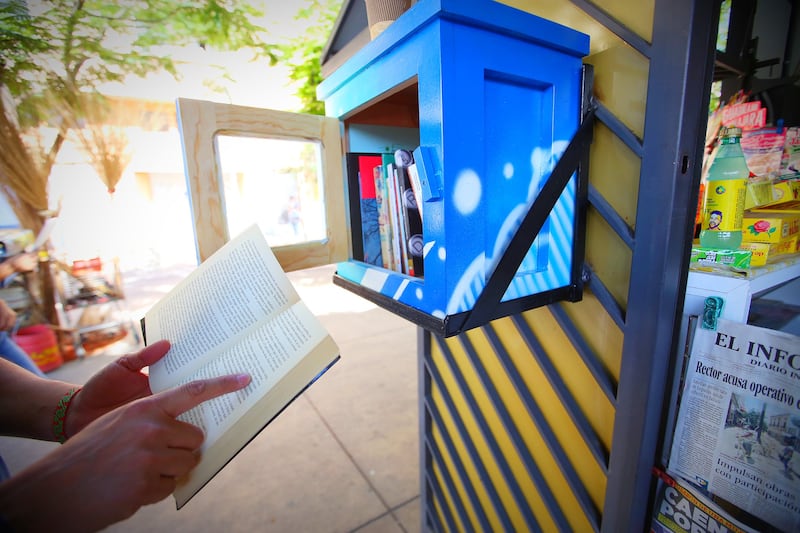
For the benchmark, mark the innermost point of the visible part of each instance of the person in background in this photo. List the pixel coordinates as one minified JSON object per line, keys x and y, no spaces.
{"x":18,"y":264}
{"x":123,"y":446}
{"x":785,"y":457}
{"x":294,"y":214}
{"x":9,"y":349}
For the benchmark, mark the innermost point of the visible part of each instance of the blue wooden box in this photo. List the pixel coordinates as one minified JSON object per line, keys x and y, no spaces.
{"x":497,"y":95}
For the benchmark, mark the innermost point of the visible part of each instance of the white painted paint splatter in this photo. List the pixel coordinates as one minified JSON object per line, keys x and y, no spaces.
{"x":467,"y":192}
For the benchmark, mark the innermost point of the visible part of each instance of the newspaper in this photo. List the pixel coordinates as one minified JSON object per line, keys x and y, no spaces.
{"x":738,"y":422}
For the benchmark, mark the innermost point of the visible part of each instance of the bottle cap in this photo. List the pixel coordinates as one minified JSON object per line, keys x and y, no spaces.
{"x":730,"y":131}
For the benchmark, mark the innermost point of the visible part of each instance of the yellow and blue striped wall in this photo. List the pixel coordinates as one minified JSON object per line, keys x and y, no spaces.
{"x":550,"y":420}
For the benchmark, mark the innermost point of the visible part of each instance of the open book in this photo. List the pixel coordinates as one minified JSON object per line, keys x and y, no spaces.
{"x":237,"y":312}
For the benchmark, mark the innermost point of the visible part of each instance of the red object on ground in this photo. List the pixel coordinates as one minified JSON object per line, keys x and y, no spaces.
{"x":39,"y":341}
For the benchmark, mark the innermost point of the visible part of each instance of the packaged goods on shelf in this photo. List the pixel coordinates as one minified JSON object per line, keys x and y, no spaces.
{"x":713,"y":259}
{"x":763,"y":150}
{"x":759,"y":192}
{"x":791,"y":151}
{"x":763,"y":252}
{"x":787,"y":207}
{"x":745,"y":115}
{"x":762,"y":192}
{"x":772,"y":192}
{"x":769,"y":227}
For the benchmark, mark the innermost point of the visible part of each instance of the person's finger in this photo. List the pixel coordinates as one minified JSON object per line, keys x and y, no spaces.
{"x":181,"y":399}
{"x":178,"y":463}
{"x":185,"y":436}
{"x":144,"y":357}
{"x":160,"y":489}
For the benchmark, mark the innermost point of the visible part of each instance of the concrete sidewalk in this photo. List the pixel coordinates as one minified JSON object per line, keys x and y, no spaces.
{"x":342,"y":457}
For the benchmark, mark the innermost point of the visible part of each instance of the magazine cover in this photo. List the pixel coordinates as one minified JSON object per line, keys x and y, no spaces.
{"x":679,"y":508}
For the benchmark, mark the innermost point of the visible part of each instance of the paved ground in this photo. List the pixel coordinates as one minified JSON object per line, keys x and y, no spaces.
{"x":343,"y":457}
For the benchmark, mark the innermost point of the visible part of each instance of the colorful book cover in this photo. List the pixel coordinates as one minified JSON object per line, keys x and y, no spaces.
{"x":371,"y":234}
{"x":360,"y":168}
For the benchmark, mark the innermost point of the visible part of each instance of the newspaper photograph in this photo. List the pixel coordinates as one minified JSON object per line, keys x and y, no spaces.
{"x":738,"y":425}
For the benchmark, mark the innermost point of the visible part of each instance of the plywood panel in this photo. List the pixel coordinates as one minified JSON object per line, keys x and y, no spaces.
{"x":200,"y":123}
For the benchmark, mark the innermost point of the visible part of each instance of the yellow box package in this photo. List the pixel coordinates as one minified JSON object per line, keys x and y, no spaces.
{"x":770,"y":227}
{"x":764,"y":251}
{"x":789,"y":207}
{"x":761,"y":193}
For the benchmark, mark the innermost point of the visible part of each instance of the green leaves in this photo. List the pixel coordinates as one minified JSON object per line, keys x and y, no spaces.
{"x":78,"y":45}
{"x":303,"y":53}
{"x":56,"y":54}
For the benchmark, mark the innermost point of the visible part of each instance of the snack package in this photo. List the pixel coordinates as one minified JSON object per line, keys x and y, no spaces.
{"x":790,"y":162}
{"x":711,"y":259}
{"x":763,"y":149}
{"x":764,"y":252}
{"x":779,"y":192}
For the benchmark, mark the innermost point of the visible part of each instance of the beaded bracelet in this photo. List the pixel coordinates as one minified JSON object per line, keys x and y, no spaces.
{"x":61,"y":413}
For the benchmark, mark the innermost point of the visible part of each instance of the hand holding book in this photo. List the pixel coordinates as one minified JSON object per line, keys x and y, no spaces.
{"x":237,"y":312}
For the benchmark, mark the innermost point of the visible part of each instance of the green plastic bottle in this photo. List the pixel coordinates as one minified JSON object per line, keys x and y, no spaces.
{"x":725,"y":193}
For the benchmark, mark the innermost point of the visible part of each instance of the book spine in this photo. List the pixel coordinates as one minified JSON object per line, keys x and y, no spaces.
{"x":394,"y":236}
{"x":384,"y":223}
{"x":416,"y":186}
{"x":412,"y":224}
{"x":398,"y":223}
{"x":354,"y":203}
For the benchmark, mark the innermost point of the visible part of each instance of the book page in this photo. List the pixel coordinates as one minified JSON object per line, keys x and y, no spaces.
{"x":283,"y":357}
{"x":244,"y":424}
{"x":241,"y":285}
{"x":266,"y":352}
